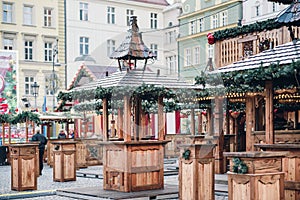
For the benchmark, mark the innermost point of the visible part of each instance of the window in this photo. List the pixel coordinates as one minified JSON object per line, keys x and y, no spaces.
{"x":257,"y":10}
{"x":110,"y":15}
{"x":28,"y":50}
{"x":210,"y":51}
{"x":83,"y":12}
{"x":197,"y":55}
{"x":201,"y":24}
{"x":274,"y":7}
{"x":28,"y":81}
{"x":129,"y":14}
{"x":192,"y":27}
{"x":224,"y":18}
{"x":27,"y":15}
{"x":111,"y":46}
{"x":48,"y":51}
{"x":170,"y":37}
{"x":188,"y":57}
{"x":84,"y":45}
{"x":48,"y":17}
{"x":153,"y":48}
{"x":7,"y":12}
{"x":215,"y":21}
{"x":8,"y":44}
{"x":153,"y":20}
{"x":171,"y":64}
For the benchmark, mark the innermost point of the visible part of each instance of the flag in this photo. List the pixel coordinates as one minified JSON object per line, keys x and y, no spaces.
{"x":44,"y":109}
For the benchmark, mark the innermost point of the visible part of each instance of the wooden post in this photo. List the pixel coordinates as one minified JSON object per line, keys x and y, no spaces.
{"x":218,"y":131}
{"x":193,"y":121}
{"x":105,"y":119}
{"x":161,"y":119}
{"x":120,"y":124}
{"x":249,"y":123}
{"x":269,"y":113}
{"x":137,"y":119}
{"x":209,"y":122}
{"x":3,"y":133}
{"x":127,"y":117}
{"x":199,"y":123}
{"x":9,"y":134}
{"x":26,"y":129}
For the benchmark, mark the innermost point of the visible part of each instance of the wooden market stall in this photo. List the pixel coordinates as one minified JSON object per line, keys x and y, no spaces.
{"x":133,"y":158}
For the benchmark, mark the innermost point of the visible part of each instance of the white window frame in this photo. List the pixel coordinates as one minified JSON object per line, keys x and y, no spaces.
{"x":29,"y":80}
{"x":153,"y":20}
{"x":28,"y":15}
{"x":210,"y":51}
{"x":83,"y":11}
{"x":48,"y":51}
{"x":111,"y":15}
{"x":154,"y":49}
{"x":48,"y":17}
{"x":111,"y":47}
{"x":214,"y":21}
{"x":8,"y":44}
{"x":8,"y":11}
{"x":193,"y":27}
{"x":188,"y":57}
{"x":224,"y":18}
{"x":197,"y":55}
{"x":129,"y":14}
{"x":84,"y":45}
{"x":28,"y":50}
{"x":200,"y":24}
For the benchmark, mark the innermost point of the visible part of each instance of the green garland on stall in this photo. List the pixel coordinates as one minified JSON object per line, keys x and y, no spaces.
{"x":20,"y":118}
{"x":269,"y":24}
{"x":186,"y":154}
{"x":253,"y":80}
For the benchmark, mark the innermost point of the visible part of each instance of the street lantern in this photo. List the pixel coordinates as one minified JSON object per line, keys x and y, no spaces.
{"x":35,"y":91}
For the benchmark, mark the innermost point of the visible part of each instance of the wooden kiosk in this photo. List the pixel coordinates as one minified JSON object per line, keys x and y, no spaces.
{"x":64,"y":160}
{"x":23,"y":166}
{"x":133,"y":158}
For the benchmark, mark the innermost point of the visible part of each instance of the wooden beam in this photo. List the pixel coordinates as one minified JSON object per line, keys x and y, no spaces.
{"x":105,"y":119}
{"x":120,"y":123}
{"x":269,"y":113}
{"x":161,"y":119}
{"x":218,"y":131}
{"x":127,"y":119}
{"x":249,"y":123}
{"x":193,"y":121}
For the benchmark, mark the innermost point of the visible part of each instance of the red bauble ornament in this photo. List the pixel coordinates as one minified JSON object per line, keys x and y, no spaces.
{"x":210,"y":38}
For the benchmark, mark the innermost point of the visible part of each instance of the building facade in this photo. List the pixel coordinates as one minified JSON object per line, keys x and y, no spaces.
{"x":171,"y":32}
{"x":32,"y":28}
{"x":260,"y":10}
{"x":96,"y":28}
{"x":197,"y":20}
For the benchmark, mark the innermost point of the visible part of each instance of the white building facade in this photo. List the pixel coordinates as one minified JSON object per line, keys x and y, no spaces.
{"x":96,"y":28}
{"x":260,"y":10}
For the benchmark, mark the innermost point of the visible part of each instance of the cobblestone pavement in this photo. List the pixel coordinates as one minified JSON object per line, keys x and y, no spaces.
{"x":47,"y":187}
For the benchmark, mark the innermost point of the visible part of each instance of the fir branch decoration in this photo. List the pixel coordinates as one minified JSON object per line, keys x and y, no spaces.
{"x":186,"y":154}
{"x":239,"y":166}
{"x":269,"y":24}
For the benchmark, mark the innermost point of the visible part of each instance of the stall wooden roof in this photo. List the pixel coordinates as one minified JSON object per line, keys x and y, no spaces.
{"x":282,"y":54}
{"x":135,"y":78}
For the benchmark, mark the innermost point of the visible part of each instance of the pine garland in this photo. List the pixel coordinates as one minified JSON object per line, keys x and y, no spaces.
{"x":269,"y":24}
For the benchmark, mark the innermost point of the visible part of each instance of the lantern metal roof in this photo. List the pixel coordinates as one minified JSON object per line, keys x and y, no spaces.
{"x":133,"y":47}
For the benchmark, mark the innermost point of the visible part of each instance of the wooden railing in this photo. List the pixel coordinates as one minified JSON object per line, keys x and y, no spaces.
{"x":231,"y":50}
